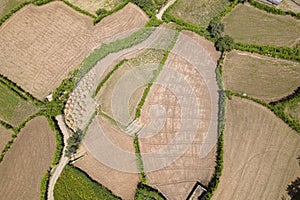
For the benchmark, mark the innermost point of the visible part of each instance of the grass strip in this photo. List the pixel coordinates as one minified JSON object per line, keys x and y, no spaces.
{"x":145,"y":192}
{"x":139,"y":159}
{"x":79,"y":9}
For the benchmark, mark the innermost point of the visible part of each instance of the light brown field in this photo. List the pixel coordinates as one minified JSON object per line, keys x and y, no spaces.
{"x":260,"y":153}
{"x":262,"y":77}
{"x":5,"y":136}
{"x":120,"y":183}
{"x":248,"y":24}
{"x":26,"y":162}
{"x":176,"y":180}
{"x":93,"y":5}
{"x":38,"y":51}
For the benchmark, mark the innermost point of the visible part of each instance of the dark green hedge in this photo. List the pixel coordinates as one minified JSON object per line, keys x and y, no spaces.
{"x":273,"y":10}
{"x":277,"y":52}
{"x":44,"y":186}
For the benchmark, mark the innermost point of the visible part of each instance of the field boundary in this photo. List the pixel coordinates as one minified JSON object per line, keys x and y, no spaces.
{"x":273,"y":10}
{"x":214,"y":182}
{"x":292,"y":123}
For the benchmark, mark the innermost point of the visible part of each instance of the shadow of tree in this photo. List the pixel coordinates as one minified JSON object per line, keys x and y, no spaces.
{"x":293,"y":189}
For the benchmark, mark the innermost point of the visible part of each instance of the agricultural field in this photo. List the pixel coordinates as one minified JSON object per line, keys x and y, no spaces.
{"x":75,"y":184}
{"x":260,"y":153}
{"x":289,"y":5}
{"x":7,"y":5}
{"x":5,"y":136}
{"x":26,"y":162}
{"x":14,"y":109}
{"x":58,"y":43}
{"x":198,"y":12}
{"x":250,"y":25}
{"x":261,"y":77}
{"x":140,"y":64}
{"x":93,"y":5}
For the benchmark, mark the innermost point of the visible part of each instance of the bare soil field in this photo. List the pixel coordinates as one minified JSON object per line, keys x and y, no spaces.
{"x":248,"y":24}
{"x":50,"y":47}
{"x":177,"y":179}
{"x":199,"y":12}
{"x":260,"y":153}
{"x":120,"y":183}
{"x":27,"y":161}
{"x":14,"y":109}
{"x":289,"y":5}
{"x":93,"y":5}
{"x":261,"y":77}
{"x":5,"y":136}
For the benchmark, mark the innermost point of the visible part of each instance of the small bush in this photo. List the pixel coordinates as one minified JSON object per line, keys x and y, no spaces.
{"x":101,"y":11}
{"x":225,"y":43}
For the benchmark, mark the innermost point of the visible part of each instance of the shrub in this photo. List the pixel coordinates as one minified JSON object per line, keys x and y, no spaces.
{"x":225,"y":43}
{"x":101,"y":11}
{"x":215,"y":27}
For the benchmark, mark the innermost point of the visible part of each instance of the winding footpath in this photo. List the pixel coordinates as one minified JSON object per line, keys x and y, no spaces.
{"x":163,"y":9}
{"x":63,"y":160}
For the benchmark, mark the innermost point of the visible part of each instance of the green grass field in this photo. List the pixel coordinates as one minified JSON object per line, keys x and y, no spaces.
{"x":74,"y":184}
{"x":250,"y":25}
{"x":13,"y":109}
{"x":198,"y":12}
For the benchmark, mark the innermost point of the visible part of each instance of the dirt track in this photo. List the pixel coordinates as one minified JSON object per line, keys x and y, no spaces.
{"x":260,"y":153}
{"x":50,"y":47}
{"x":26,"y":162}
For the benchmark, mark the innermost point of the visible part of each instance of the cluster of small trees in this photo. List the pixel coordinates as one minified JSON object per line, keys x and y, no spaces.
{"x":73,"y":143}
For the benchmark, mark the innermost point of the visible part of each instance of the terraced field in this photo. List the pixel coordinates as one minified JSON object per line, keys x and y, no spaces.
{"x":51,"y":47}
{"x":26,"y":162}
{"x":251,"y":25}
{"x":260,"y":153}
{"x":261,"y":77}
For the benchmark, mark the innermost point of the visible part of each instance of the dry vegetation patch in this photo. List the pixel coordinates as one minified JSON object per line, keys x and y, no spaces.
{"x":289,"y":5}
{"x":27,"y":161}
{"x":50,"y":47}
{"x":93,"y":5}
{"x":262,"y":77}
{"x":251,"y":25}
{"x":5,"y":136}
{"x":260,"y":153}
{"x":7,"y":5}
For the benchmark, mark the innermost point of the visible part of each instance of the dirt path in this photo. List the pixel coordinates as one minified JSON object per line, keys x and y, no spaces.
{"x":63,"y":161}
{"x":163,"y":9}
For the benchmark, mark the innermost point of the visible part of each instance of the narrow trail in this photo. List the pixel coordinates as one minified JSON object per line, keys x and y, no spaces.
{"x":163,"y":9}
{"x":63,"y":161}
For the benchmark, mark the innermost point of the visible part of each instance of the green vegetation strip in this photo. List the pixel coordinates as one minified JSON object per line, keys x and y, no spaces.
{"x":277,"y":110}
{"x":103,"y":81}
{"x":214,"y":182}
{"x":76,"y":184}
{"x":79,"y":9}
{"x":273,"y":10}
{"x":277,"y":52}
{"x":139,"y":159}
{"x":157,"y":72}
{"x":44,"y":185}
{"x":145,"y":192}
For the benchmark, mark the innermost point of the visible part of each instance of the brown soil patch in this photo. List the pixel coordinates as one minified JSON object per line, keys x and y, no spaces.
{"x":50,"y":47}
{"x":260,"y":153}
{"x":5,"y":136}
{"x":27,"y":161}
{"x":176,"y":180}
{"x":262,"y":77}
{"x":120,"y":183}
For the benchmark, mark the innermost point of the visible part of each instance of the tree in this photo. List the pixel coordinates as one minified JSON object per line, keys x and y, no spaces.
{"x":225,"y":43}
{"x":215,"y":27}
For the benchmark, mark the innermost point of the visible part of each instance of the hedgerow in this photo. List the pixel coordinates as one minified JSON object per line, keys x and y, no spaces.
{"x":229,"y":9}
{"x":6,"y":125}
{"x":273,"y":10}
{"x":277,"y":52}
{"x":139,"y":159}
{"x":41,"y":2}
{"x":214,"y":182}
{"x":144,"y":191}
{"x":44,"y":185}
